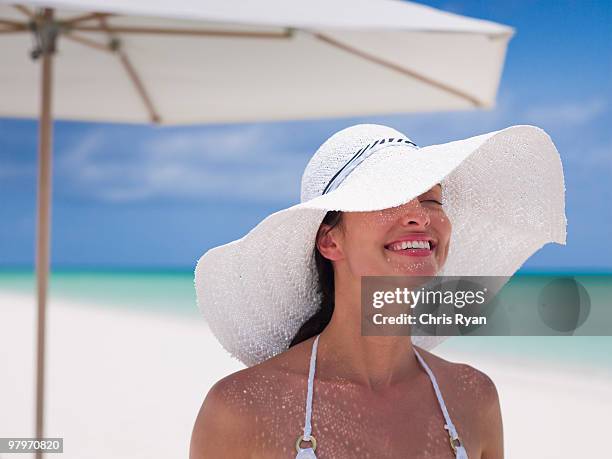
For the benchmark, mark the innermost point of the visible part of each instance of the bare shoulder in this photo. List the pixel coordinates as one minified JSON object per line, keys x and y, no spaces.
{"x":463,"y":380}
{"x":473,"y":402}
{"x":221,"y":420}
{"x":237,"y":405}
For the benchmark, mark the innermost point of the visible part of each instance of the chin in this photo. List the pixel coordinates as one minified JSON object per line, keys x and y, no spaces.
{"x":417,"y":269}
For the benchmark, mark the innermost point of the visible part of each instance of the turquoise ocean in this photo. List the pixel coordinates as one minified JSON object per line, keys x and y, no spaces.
{"x":153,"y":291}
{"x":171,"y":292}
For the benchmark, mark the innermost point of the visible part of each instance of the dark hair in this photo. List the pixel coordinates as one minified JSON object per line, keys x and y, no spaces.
{"x":325,"y":272}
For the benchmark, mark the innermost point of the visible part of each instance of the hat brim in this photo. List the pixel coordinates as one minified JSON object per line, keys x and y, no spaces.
{"x":503,"y":192}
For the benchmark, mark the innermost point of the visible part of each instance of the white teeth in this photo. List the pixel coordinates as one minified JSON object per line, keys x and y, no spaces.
{"x":410,"y":245}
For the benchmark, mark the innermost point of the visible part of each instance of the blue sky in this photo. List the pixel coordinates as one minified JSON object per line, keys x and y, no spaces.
{"x":140,"y":196}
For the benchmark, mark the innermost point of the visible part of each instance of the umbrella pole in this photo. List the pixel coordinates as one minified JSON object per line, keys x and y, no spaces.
{"x":43,"y":227}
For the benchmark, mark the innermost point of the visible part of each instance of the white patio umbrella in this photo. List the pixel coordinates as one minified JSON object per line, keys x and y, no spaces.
{"x":190,"y":61}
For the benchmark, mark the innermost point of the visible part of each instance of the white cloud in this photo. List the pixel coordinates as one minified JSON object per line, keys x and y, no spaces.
{"x":81,"y":152}
{"x":566,"y":114}
{"x":239,"y":163}
{"x":233,"y":144}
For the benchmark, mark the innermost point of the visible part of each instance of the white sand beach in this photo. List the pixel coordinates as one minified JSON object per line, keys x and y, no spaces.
{"x":128,"y":384}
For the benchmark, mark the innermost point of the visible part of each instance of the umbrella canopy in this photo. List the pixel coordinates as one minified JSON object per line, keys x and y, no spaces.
{"x":189,"y":61}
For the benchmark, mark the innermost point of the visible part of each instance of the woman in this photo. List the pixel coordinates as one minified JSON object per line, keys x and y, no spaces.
{"x":286,"y":298}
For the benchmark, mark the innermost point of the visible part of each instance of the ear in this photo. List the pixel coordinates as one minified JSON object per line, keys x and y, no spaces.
{"x":327,"y":243}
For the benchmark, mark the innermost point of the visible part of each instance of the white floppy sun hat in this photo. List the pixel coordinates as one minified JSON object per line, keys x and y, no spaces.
{"x":503,"y":192}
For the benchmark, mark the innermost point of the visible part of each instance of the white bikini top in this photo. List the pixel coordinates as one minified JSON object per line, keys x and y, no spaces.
{"x":309,"y":453}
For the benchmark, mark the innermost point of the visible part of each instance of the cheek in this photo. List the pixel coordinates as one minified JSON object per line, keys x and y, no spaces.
{"x":365,"y":233}
{"x":387,"y":218}
{"x":364,"y":226}
{"x":443,"y":227}
{"x":370,"y":222}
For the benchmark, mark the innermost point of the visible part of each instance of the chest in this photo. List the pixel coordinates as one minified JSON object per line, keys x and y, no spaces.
{"x":348,"y":423}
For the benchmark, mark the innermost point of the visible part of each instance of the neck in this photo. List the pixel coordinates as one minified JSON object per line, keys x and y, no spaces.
{"x":376,"y":362}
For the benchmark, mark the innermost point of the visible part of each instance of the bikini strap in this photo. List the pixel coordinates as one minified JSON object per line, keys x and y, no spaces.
{"x":311,"y":374}
{"x":455,"y":441}
{"x":309,"y":453}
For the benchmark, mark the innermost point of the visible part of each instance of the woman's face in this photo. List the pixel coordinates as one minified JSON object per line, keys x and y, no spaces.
{"x":389,"y":242}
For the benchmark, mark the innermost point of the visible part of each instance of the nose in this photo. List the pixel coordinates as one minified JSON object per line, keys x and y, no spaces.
{"x":414,"y":214}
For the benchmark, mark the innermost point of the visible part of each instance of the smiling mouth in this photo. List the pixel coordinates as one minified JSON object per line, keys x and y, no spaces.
{"x":414,"y":247}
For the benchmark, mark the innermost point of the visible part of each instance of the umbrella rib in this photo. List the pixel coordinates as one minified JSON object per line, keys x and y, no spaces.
{"x":399,"y":69}
{"x":85,"y":18}
{"x":155,"y":118}
{"x":13,"y":24}
{"x":12,"y":30}
{"x":25,"y":10}
{"x":131,"y":71}
{"x":88,"y":42}
{"x":180,"y":31}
